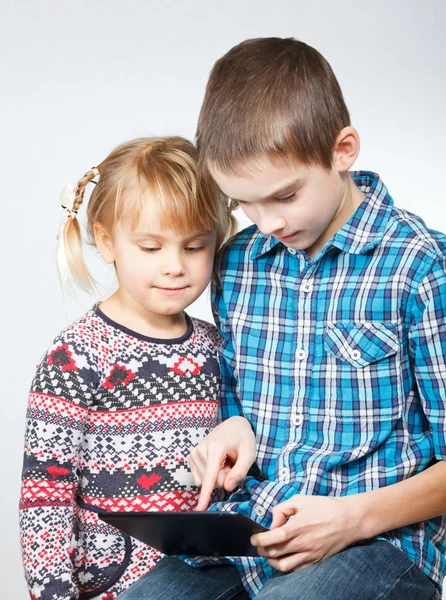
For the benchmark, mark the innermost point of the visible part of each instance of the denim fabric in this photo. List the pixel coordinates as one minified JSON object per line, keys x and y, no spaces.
{"x":370,"y":571}
{"x":173,"y":579}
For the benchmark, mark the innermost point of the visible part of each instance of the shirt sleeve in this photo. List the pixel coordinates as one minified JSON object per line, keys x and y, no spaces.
{"x":56,"y":415}
{"x":427,"y":346}
{"x":229,"y":403}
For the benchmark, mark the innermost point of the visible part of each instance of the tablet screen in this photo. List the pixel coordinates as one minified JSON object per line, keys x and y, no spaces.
{"x":190,"y":533}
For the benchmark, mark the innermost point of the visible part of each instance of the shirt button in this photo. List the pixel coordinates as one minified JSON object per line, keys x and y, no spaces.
{"x":298,"y":420}
{"x":301,"y":354}
{"x":260,"y":511}
{"x":307,"y":286}
{"x":292,"y":250}
{"x":284,"y":474}
{"x":355,"y":354}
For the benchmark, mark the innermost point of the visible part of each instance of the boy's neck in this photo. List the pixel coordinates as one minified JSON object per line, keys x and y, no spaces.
{"x":352,"y":197}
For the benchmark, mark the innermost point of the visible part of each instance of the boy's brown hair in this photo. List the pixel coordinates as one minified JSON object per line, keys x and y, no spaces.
{"x":271,"y":96}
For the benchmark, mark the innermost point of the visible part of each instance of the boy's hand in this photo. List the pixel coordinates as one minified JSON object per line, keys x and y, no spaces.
{"x":317,"y":528}
{"x":223,"y":458}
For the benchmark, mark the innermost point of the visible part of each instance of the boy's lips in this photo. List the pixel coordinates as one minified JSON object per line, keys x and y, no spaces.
{"x":288,"y":238}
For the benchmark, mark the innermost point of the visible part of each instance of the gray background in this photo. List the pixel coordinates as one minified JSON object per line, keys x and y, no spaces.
{"x":79,"y":77}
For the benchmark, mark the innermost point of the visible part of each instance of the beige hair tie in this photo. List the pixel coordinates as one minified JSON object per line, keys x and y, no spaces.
{"x":67,"y":198}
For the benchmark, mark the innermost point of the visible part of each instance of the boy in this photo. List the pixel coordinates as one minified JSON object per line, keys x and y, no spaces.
{"x":332,"y":312}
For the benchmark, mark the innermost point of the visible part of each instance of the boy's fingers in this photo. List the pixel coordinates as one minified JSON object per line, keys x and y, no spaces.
{"x":222,"y":476}
{"x":196,"y":469}
{"x":209,"y":480}
{"x":240,"y":469}
{"x":273,"y":537}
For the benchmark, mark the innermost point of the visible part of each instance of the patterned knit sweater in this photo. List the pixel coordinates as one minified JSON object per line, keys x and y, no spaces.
{"x":112,"y":417}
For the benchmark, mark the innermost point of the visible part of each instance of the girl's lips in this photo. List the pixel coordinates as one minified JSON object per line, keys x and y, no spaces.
{"x":170,"y":291}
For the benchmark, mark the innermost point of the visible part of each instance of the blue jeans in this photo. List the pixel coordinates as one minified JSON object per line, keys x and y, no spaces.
{"x":375,"y":570}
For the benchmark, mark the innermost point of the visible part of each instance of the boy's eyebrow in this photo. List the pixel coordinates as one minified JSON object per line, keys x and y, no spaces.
{"x":280,"y":192}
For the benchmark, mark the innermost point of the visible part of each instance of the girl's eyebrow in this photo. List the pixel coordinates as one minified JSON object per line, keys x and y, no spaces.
{"x":142,"y":235}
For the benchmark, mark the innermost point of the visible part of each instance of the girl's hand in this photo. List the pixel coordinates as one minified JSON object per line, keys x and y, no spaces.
{"x":317,"y":528}
{"x":223,"y":458}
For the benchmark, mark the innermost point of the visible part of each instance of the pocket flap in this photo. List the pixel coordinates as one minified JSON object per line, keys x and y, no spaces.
{"x":361,"y":343}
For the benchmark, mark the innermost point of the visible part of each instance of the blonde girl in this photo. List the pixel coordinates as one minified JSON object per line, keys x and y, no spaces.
{"x":125,"y":392}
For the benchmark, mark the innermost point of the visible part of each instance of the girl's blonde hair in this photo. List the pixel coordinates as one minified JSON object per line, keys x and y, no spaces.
{"x":167,"y":169}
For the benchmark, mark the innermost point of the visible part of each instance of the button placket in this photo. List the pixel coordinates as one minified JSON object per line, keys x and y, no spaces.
{"x":284,"y":474}
{"x":305,"y":298}
{"x":298,"y":419}
{"x":307,"y":286}
{"x":301,"y":354}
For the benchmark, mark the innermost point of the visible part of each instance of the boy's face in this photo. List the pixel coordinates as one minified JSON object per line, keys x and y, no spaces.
{"x":302,"y":206}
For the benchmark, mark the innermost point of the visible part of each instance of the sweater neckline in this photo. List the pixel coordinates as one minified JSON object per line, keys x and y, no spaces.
{"x":188,"y":333}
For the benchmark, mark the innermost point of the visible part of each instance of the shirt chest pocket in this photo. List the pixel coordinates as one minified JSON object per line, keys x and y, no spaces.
{"x":363,"y":371}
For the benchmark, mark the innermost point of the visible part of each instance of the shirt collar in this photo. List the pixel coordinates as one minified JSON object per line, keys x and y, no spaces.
{"x":362,"y":232}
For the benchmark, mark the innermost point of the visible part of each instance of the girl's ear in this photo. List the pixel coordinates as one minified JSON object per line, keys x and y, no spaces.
{"x":346,"y":149}
{"x":104,"y":243}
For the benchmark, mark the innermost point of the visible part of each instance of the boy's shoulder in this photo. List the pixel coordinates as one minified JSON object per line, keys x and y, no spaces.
{"x":412,"y":234}
{"x":403,"y":230}
{"x":242,"y":245}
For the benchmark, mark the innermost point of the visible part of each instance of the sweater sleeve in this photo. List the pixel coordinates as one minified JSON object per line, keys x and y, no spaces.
{"x":57,"y":410}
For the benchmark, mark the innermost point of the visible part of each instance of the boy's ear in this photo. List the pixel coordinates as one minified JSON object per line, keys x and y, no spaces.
{"x":104,"y":243}
{"x":346,"y":149}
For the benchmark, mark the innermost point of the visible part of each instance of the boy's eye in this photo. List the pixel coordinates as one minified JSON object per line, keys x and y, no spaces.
{"x":287,"y":198}
{"x":194,"y":249}
{"x":149,"y":250}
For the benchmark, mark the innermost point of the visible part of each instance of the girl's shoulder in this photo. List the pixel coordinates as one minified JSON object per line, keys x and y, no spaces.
{"x":69,"y":367}
{"x":206,"y":332}
{"x":86,"y":330}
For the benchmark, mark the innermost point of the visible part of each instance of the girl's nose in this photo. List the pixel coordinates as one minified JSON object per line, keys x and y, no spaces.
{"x":174,"y":266}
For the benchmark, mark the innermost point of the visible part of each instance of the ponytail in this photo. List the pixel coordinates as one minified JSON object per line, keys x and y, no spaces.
{"x":70,"y":260}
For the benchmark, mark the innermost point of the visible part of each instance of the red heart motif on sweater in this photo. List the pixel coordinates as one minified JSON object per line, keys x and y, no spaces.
{"x":57,"y":471}
{"x":184,"y":365}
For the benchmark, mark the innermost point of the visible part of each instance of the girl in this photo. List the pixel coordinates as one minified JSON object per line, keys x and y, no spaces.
{"x":125,"y":392}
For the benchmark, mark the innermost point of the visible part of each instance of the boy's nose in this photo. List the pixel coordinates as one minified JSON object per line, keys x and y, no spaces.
{"x":270,"y":225}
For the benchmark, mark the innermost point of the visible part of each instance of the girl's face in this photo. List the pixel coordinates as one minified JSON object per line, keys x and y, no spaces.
{"x":160,"y":272}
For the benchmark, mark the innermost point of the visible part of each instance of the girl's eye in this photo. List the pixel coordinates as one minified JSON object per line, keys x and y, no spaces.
{"x":194,"y":249}
{"x":149,"y":250}
{"x":287,"y":198}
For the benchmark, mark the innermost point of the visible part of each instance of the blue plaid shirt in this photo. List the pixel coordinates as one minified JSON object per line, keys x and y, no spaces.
{"x":339,"y":363}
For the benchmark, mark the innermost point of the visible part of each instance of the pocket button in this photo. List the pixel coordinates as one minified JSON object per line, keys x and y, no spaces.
{"x":355,"y":354}
{"x":260,"y":511}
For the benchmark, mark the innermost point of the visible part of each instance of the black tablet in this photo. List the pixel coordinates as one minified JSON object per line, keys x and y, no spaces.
{"x":190,"y":533}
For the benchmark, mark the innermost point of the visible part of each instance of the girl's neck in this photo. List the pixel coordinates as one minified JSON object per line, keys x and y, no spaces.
{"x":126,"y":312}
